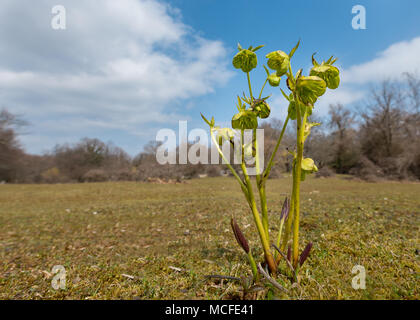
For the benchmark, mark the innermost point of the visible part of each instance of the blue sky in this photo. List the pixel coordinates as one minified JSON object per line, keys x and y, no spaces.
{"x":124,"y":69}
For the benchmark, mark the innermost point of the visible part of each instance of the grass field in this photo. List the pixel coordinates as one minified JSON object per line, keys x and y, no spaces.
{"x":152,"y":241}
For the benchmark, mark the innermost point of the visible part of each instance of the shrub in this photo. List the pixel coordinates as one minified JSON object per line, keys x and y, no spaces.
{"x":95,"y":175}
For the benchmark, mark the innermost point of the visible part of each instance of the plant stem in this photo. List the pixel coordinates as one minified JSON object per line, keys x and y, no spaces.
{"x":280,"y":232}
{"x":251,"y":200}
{"x":249,"y":85}
{"x":261,"y":188}
{"x":291,"y":211}
{"x":253,"y":266}
{"x":264,"y":210}
{"x":300,"y":141}
{"x":271,"y":161}
{"x":262,"y":89}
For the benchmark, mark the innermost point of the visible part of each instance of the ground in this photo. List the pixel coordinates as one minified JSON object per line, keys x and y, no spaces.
{"x":130,"y":240}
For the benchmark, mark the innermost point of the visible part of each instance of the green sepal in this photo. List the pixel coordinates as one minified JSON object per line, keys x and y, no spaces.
{"x":274,"y":79}
{"x":261,"y":108}
{"x":279,"y":61}
{"x":329,"y":73}
{"x":245,"y":119}
{"x":310,"y":88}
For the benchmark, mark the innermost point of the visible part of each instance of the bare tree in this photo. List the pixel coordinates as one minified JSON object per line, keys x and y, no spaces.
{"x":10,"y":149}
{"x":343,"y":139}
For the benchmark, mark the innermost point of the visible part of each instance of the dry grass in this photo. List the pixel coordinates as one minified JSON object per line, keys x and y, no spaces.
{"x":167,"y":237}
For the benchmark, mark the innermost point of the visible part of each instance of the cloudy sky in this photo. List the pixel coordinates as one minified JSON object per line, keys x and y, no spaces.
{"x":122,"y":70}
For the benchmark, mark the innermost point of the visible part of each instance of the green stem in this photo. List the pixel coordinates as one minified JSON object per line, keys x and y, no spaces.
{"x":251,"y":201}
{"x":289,"y":221}
{"x":271,"y":161}
{"x":262,"y":89}
{"x":280,"y":232}
{"x":249,"y":85}
{"x":264,"y":210}
{"x":261,"y":188}
{"x":253,"y":266}
{"x":300,"y":141}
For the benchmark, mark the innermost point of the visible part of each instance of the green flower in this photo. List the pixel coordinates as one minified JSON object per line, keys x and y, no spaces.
{"x":279,"y":61}
{"x":245,"y":119}
{"x":310,"y":88}
{"x":245,"y":60}
{"x":274,"y":80}
{"x":308,"y":166}
{"x":326,"y":71}
{"x":261,"y":108}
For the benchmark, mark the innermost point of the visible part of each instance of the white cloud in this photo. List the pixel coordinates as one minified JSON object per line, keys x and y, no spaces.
{"x":121,"y":65}
{"x":356,"y":80}
{"x":389,"y":64}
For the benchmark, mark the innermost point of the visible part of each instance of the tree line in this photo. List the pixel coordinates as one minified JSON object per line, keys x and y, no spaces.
{"x":379,"y":139}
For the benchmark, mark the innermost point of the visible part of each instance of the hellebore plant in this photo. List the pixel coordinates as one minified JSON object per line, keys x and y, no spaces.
{"x":304,"y":92}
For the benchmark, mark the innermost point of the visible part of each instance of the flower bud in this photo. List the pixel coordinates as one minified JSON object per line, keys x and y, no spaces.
{"x":245,"y":119}
{"x":246,"y":60}
{"x":310,"y":88}
{"x":279,"y":61}
{"x":239,"y":236}
{"x":305,"y":253}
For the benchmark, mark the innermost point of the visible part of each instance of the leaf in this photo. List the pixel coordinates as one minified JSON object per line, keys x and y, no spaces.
{"x":257,"y":48}
{"x":284,"y":94}
{"x":240,"y":238}
{"x":294,"y":50}
{"x":204,"y":118}
{"x":308,"y":127}
{"x":314,"y":62}
{"x":266,"y":70}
